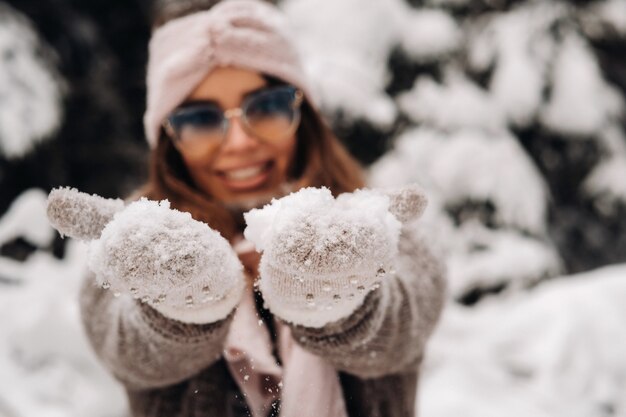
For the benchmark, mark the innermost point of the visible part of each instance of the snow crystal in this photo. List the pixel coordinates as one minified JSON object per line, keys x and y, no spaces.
{"x":26,"y":218}
{"x":582,"y":103}
{"x":30,"y":89}
{"x":356,"y":231}
{"x":80,"y":215}
{"x":150,"y":250}
{"x":260,"y":223}
{"x":322,"y":254}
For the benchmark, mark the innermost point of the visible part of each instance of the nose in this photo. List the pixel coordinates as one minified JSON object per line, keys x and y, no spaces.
{"x":237,"y":139}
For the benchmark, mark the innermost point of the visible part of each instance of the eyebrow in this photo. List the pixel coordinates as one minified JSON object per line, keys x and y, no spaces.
{"x":195,"y":102}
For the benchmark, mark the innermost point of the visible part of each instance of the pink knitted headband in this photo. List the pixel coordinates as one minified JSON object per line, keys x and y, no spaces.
{"x":241,"y":33}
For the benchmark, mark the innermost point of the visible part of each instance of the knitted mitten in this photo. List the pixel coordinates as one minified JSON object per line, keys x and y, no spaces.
{"x":321,"y":255}
{"x":179,"y":266}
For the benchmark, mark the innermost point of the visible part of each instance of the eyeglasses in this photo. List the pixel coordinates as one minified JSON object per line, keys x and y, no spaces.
{"x":272,"y":115}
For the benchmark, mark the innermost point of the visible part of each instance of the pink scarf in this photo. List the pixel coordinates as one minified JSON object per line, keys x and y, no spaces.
{"x":307,"y":385}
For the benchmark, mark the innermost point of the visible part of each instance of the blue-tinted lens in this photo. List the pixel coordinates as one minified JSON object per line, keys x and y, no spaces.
{"x":272,"y":103}
{"x":204,"y":118}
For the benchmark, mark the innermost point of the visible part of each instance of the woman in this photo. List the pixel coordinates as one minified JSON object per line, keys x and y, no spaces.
{"x":232,"y":125}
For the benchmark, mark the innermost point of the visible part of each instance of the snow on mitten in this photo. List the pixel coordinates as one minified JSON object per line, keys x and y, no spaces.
{"x":179,"y":266}
{"x":321,"y":255}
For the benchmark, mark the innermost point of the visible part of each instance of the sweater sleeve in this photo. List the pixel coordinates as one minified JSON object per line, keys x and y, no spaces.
{"x":388,"y":332}
{"x":143,"y":348}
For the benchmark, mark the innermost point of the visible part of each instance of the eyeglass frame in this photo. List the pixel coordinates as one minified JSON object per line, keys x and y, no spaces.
{"x":238,"y":112}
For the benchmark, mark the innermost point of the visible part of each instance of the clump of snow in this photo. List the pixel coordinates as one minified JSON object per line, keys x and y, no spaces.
{"x":80,"y":215}
{"x":608,"y":178}
{"x":554,"y":351}
{"x":312,"y":232}
{"x":31,"y":91}
{"x":347,"y":57}
{"x":447,"y":3}
{"x":458,"y":103}
{"x":163,"y":256}
{"x":613,"y":12}
{"x":321,"y":255}
{"x":582,"y":103}
{"x":260,"y":222}
{"x":606,"y":182}
{"x":518,"y":46}
{"x":26,"y":218}
{"x":604,"y":18}
{"x":428,"y":34}
{"x":470,"y":165}
{"x":487,"y":258}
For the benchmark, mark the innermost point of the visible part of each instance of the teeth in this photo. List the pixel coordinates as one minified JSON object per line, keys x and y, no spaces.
{"x":244,"y":173}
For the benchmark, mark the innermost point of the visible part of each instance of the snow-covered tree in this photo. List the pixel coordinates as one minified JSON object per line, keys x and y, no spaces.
{"x":30,"y":87}
{"x":510,"y":112}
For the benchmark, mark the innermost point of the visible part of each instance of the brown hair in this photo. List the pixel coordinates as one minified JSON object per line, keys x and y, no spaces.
{"x":320,"y":160}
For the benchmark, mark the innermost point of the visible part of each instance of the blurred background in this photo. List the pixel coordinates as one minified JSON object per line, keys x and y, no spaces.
{"x":511,"y":113}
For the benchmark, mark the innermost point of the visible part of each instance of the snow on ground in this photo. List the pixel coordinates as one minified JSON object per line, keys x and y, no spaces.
{"x":557,"y":350}
{"x":48,"y":368}
{"x":30,"y":88}
{"x":554,"y":350}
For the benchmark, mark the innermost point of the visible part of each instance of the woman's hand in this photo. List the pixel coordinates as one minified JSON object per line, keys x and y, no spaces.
{"x":162,"y":257}
{"x":321,"y":256}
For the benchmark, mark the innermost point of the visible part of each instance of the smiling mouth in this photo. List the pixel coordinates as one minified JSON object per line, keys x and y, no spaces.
{"x":247,"y":178}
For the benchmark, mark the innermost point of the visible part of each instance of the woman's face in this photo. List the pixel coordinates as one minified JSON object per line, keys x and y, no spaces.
{"x":243,"y":169}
